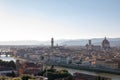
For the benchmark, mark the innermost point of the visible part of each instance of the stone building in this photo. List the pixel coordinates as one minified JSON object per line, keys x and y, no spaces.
{"x":105,"y":44}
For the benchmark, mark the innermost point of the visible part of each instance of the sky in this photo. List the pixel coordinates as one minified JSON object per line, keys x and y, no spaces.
{"x":62,"y":19}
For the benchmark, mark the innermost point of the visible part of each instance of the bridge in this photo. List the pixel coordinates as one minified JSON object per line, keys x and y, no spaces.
{"x":5,"y":52}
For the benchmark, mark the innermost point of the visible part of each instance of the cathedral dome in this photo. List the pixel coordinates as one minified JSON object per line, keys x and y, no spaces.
{"x":105,"y":44}
{"x":105,"y":41}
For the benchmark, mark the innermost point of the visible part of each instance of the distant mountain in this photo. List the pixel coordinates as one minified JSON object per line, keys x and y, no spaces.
{"x":76,"y":42}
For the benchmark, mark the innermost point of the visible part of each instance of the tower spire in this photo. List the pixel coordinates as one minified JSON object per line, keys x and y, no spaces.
{"x":52,"y":42}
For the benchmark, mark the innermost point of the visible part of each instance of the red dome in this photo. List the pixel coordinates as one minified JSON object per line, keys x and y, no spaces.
{"x":105,"y":41}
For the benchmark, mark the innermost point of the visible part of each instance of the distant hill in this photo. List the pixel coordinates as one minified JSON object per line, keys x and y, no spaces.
{"x":77,"y":42}
{"x":95,"y":41}
{"x":20,"y":42}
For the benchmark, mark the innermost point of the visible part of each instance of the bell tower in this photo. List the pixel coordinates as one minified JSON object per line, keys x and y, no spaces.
{"x":52,"y":42}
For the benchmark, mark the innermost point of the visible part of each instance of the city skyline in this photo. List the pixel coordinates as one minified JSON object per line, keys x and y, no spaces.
{"x":63,"y":19}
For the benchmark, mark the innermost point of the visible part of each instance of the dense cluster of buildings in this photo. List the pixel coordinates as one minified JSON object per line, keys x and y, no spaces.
{"x":26,"y":67}
{"x":105,"y":45}
{"x":101,"y":56}
{"x":93,"y":55}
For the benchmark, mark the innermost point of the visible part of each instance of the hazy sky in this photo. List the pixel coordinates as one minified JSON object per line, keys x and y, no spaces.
{"x":61,"y":19}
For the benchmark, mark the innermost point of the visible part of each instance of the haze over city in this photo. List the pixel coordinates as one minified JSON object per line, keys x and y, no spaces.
{"x":61,"y":19}
{"x":59,"y":39}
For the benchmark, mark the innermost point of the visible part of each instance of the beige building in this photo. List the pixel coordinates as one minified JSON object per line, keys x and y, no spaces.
{"x":109,"y":64}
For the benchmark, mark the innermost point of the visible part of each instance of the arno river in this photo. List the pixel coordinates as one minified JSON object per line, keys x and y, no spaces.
{"x":112,"y":76}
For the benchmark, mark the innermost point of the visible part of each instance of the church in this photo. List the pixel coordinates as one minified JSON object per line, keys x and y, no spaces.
{"x":105,"y":44}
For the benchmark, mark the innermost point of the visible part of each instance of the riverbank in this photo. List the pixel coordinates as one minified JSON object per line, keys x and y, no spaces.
{"x":8,"y":58}
{"x":78,"y":67}
{"x":88,"y":68}
{"x":21,"y":59}
{"x":73,"y":70}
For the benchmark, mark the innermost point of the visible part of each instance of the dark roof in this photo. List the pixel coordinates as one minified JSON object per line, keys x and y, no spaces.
{"x":105,"y":41}
{"x":5,"y":68}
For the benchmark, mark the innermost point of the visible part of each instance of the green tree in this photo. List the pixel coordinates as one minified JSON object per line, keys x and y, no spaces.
{"x":12,"y":64}
{"x":25,"y":77}
{"x":58,"y":74}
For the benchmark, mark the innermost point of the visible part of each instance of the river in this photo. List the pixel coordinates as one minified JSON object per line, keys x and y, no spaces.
{"x":4,"y":58}
{"x":112,"y":76}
